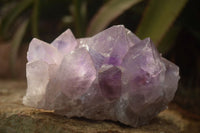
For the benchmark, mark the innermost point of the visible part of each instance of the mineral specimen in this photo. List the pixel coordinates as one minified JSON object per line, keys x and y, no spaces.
{"x":111,"y":76}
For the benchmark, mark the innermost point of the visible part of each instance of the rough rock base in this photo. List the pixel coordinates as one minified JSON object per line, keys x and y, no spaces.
{"x":16,"y":118}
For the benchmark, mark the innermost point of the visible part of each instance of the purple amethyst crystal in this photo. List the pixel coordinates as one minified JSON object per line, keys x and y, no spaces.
{"x":111,"y":76}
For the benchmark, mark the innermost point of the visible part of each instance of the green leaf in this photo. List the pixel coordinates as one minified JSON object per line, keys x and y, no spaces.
{"x":108,"y":13}
{"x":79,"y":14}
{"x":16,"y":41}
{"x":167,"y":42}
{"x":13,"y":14}
{"x":158,"y":17}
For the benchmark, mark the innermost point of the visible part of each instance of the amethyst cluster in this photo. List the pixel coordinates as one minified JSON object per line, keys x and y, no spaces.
{"x":112,"y":75}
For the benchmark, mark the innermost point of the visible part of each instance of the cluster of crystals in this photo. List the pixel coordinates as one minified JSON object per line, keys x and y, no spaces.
{"x":111,"y":76}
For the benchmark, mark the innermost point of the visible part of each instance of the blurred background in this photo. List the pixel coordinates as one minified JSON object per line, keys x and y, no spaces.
{"x":173,"y":25}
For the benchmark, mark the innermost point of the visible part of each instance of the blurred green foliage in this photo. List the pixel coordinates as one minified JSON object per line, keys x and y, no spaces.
{"x":107,"y":13}
{"x":173,"y":26}
{"x":158,"y":18}
{"x":87,"y":15}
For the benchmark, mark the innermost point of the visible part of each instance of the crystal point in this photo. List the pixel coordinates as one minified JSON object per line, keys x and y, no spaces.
{"x":65,"y":43}
{"x":110,"y":76}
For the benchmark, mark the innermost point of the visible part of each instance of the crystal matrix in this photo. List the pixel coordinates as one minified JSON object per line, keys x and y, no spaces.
{"x":111,"y":76}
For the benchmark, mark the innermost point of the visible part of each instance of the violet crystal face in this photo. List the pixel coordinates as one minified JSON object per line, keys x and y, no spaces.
{"x":110,"y":76}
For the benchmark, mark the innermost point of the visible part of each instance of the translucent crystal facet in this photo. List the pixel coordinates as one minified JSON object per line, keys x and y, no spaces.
{"x":110,"y":76}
